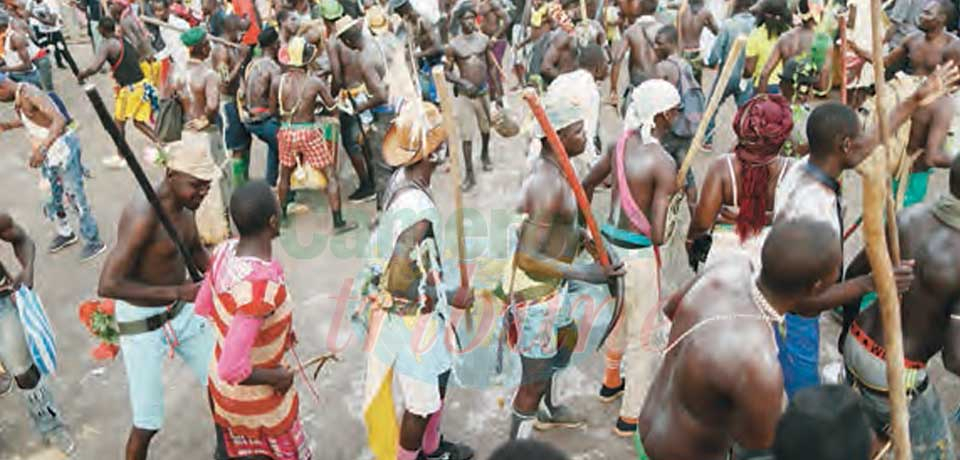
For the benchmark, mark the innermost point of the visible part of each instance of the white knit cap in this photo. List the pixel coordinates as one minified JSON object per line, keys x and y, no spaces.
{"x":651,"y":98}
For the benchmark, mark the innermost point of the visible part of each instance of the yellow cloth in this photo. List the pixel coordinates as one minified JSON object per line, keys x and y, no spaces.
{"x":760,"y":45}
{"x":131,"y":102}
{"x":383,"y":434}
{"x":151,"y":71}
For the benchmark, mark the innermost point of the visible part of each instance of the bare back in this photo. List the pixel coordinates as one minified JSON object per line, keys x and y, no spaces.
{"x":795,"y":42}
{"x":643,"y":59}
{"x":714,"y":387}
{"x":198,"y":90}
{"x":256,"y":84}
{"x":650,"y":172}
{"x":297,"y":96}
{"x":692,"y":23}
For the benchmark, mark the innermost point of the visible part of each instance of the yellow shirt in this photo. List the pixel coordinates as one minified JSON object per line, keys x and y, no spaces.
{"x":760,"y":45}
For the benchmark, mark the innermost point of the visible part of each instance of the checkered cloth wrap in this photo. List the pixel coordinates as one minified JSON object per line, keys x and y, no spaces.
{"x":291,"y":445}
{"x":309,"y":143}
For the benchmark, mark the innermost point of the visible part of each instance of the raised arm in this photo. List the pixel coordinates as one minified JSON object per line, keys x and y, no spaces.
{"x":933,"y":155}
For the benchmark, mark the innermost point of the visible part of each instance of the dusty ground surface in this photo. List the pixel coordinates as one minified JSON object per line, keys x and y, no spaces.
{"x":319,"y":270}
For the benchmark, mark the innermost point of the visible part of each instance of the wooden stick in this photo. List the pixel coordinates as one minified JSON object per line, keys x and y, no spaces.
{"x":843,"y":57}
{"x":725,"y":74}
{"x":160,"y":23}
{"x":561,"y":153}
{"x":454,"y":144}
{"x":875,"y":183}
{"x":886,"y":448}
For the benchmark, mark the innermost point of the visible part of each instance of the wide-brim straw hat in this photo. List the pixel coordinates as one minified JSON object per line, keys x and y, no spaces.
{"x":377,"y":20}
{"x":344,"y":24}
{"x":414,"y":134}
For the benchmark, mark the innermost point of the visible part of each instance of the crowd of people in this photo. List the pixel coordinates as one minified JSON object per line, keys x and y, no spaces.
{"x":705,"y":372}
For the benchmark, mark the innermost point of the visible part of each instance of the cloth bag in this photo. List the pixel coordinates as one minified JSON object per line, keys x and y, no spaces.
{"x":36,"y":328}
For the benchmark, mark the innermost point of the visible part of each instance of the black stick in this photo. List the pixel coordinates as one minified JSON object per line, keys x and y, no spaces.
{"x":141,"y":178}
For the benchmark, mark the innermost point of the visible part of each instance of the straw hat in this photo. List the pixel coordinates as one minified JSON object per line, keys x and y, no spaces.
{"x":377,"y":20}
{"x":344,"y":24}
{"x":297,"y":52}
{"x":413,"y":136}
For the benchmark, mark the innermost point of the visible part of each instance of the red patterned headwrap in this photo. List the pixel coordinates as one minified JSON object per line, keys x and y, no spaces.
{"x":762,"y":125}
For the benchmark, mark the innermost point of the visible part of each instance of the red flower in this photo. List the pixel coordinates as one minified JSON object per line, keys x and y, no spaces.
{"x":87,"y":309}
{"x":107,"y":307}
{"x":105,"y":351}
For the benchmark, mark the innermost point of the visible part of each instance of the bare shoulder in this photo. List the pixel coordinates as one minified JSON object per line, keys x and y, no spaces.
{"x":542,"y":188}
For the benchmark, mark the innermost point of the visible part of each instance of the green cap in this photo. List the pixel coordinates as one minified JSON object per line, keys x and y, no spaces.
{"x":193,"y":36}
{"x":331,"y":10}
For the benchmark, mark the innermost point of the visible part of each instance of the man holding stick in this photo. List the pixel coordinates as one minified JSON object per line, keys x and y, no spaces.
{"x":145,"y":275}
{"x":810,"y":189}
{"x":229,"y":63}
{"x":253,"y":102}
{"x":930,"y":236}
{"x":644,"y":180}
{"x":410,"y":302}
{"x":541,"y":326}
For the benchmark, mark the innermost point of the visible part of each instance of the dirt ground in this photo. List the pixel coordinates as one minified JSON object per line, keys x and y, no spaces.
{"x":320,"y":271}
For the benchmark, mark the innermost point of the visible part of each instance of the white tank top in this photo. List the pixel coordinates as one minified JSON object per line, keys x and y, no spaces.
{"x":59,"y":151}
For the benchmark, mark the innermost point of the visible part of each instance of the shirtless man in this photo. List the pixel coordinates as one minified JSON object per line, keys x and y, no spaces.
{"x":299,"y":135}
{"x":930,"y":236}
{"x":563,"y":47}
{"x":923,"y":52}
{"x":694,"y":19}
{"x":358,"y":68}
{"x":198,"y":92}
{"x":145,"y":275}
{"x":253,"y":99}
{"x":426,"y":42}
{"x":644,"y":179}
{"x":229,"y":63}
{"x":124,"y":62}
{"x":796,"y":43}
{"x":549,"y":240}
{"x":14,"y":355}
{"x":716,"y":389}
{"x":638,"y":42}
{"x":494,"y":23}
{"x":672,"y":68}
{"x":471,"y":53}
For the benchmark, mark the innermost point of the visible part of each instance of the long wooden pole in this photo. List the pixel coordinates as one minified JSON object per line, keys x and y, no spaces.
{"x":875,"y":184}
{"x":454,"y":144}
{"x":718,"y":88}
{"x":159,"y":23}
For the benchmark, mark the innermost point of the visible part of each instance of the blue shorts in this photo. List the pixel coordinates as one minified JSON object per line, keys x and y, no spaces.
{"x":800,"y":353}
{"x":144,"y":354}
{"x":537,"y":325}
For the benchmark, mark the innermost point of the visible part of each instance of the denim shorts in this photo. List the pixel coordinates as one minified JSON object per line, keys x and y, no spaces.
{"x":144,"y":354}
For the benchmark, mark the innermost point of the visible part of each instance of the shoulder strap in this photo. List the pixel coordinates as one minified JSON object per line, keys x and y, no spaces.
{"x":733,"y":179}
{"x":629,"y":205}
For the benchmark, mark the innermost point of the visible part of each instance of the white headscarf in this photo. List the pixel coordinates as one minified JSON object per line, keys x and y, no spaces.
{"x":648,"y":100}
{"x":562,"y":110}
